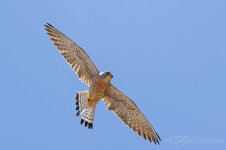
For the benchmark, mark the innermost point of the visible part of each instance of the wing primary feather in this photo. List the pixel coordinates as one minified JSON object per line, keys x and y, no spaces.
{"x":73,"y":54}
{"x":129,"y":113}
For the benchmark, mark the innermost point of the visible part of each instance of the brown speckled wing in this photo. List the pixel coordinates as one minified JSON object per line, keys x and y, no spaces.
{"x":127,"y":111}
{"x":74,"y":55}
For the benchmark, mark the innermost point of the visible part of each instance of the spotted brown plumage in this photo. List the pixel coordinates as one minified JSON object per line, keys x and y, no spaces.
{"x":74,"y":55}
{"x":100,"y":87}
{"x":123,"y":107}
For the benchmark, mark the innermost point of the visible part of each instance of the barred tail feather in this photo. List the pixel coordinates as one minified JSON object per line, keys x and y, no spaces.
{"x":81,"y":102}
{"x":84,"y":109}
{"x":88,"y":117}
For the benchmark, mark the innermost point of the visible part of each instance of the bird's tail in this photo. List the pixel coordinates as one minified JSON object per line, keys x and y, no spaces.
{"x":84,"y":109}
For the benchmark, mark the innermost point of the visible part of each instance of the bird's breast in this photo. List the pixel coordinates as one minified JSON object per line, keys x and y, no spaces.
{"x":97,"y":90}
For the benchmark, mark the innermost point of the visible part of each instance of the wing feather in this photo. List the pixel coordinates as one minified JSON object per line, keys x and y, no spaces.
{"x":123,"y":107}
{"x":74,"y":55}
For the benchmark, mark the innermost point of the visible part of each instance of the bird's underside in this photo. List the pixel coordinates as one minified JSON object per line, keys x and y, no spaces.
{"x":100,"y":88}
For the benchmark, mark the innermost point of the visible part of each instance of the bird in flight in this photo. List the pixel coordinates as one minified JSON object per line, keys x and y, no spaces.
{"x":100,"y":88}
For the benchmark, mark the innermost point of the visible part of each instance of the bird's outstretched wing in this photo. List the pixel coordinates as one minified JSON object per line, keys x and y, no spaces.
{"x":74,"y":55}
{"x":127,"y":111}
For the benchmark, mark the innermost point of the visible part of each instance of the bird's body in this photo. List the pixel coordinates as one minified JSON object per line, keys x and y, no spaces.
{"x":100,"y":88}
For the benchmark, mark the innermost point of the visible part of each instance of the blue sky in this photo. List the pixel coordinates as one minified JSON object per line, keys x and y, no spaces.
{"x":168,"y":56}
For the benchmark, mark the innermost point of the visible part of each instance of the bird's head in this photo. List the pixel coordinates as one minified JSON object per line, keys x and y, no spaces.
{"x":106,"y":76}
